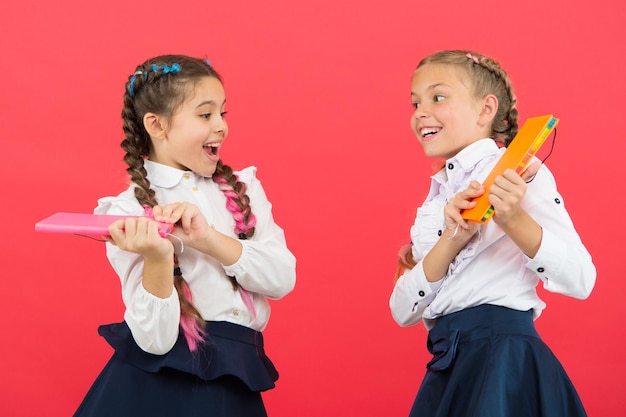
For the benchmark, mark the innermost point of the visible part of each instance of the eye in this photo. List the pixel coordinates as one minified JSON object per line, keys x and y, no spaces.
{"x":223,"y":114}
{"x":415,"y":105}
{"x":438,"y":98}
{"x":206,"y":115}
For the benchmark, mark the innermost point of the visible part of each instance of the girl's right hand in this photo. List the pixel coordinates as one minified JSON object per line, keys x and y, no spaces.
{"x":140,"y":235}
{"x":456,"y":227}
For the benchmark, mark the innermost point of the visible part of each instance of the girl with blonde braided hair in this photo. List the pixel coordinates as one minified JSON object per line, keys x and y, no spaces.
{"x":197,"y":300}
{"x":474,"y":285}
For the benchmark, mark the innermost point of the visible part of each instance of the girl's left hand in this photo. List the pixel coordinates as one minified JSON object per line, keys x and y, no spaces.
{"x":194,"y":231}
{"x":191,"y":226}
{"x":507,"y":192}
{"x":456,"y":227}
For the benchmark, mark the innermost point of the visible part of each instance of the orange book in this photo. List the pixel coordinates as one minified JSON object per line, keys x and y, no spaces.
{"x":517,"y":155}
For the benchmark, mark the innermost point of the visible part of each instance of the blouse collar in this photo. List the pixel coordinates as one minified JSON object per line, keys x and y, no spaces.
{"x":467,"y":158}
{"x":163,"y":175}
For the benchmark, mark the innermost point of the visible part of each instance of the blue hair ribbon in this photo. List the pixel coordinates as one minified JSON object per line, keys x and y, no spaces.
{"x":166,"y":68}
{"x":131,"y":88}
{"x":174,"y":68}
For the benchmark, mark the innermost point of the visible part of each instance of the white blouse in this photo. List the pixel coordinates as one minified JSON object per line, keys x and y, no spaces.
{"x":491,"y":269}
{"x":266,"y":268}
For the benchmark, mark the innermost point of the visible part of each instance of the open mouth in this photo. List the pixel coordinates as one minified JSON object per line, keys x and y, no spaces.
{"x":427,"y":132}
{"x":212,"y":150}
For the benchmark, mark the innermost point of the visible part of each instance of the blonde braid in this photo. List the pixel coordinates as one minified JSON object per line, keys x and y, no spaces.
{"x":505,"y":124}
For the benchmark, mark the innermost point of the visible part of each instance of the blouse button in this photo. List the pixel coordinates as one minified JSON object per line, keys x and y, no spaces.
{"x":557,"y":200}
{"x":422,"y":293}
{"x":450,"y":165}
{"x":195,"y":188}
{"x":235,"y":312}
{"x":438,"y":232}
{"x":186,"y":176}
{"x":540,"y":269}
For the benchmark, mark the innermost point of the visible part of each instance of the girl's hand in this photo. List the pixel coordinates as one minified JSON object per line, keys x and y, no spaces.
{"x":507,"y":192}
{"x":140,"y":235}
{"x":456,"y":227}
{"x":191,"y":226}
{"x":194,"y":231}
{"x":457,"y":234}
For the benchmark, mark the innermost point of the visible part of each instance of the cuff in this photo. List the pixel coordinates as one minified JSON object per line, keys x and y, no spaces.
{"x":239,"y":267}
{"x":549,"y":259}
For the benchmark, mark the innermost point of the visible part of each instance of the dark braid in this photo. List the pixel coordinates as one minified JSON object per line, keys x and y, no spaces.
{"x":487,"y":78}
{"x":159,"y":86}
{"x":235,"y":192}
{"x":237,"y":202}
{"x":136,"y":144}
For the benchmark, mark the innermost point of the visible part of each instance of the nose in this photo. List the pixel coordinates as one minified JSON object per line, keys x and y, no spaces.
{"x":420,"y":112}
{"x":220,"y":125}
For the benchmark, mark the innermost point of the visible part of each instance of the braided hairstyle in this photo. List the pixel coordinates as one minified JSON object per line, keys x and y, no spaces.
{"x":487,"y":78}
{"x":160,"y":85}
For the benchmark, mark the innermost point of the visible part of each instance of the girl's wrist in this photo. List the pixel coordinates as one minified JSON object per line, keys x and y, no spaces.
{"x":205,"y":243}
{"x":161,"y":255}
{"x":457,"y":237}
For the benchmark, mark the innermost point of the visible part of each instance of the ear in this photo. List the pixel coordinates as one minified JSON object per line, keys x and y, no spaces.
{"x":489,"y":109}
{"x":154,"y":125}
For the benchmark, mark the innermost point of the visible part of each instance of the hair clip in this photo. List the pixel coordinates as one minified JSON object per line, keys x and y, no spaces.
{"x":131,"y":88}
{"x":472,"y":57}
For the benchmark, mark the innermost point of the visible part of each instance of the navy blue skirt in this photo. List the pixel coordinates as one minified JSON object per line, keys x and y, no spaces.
{"x":223,"y":378}
{"x":489,"y":361}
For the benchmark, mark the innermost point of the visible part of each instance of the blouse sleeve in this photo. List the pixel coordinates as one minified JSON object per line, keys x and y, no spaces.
{"x":265,"y":266}
{"x":562,"y":263}
{"x":153,"y":321}
{"x":411,"y":295}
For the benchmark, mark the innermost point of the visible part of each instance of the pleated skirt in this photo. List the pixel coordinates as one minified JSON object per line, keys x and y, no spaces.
{"x":489,"y":361}
{"x":223,"y":378}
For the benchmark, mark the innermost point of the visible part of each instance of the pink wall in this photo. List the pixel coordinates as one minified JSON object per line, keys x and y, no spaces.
{"x":318,"y":98}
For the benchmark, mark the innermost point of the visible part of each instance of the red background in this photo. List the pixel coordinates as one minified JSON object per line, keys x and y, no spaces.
{"x":318,"y":98}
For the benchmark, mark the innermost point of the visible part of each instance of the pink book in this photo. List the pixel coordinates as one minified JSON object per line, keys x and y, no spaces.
{"x":86,"y":224}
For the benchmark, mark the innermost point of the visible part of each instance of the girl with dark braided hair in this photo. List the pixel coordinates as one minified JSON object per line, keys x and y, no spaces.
{"x":196,"y":301}
{"x":474,"y":285}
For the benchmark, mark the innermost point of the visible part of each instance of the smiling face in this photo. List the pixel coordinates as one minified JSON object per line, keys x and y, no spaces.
{"x":192,"y":137}
{"x":447,"y":117}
